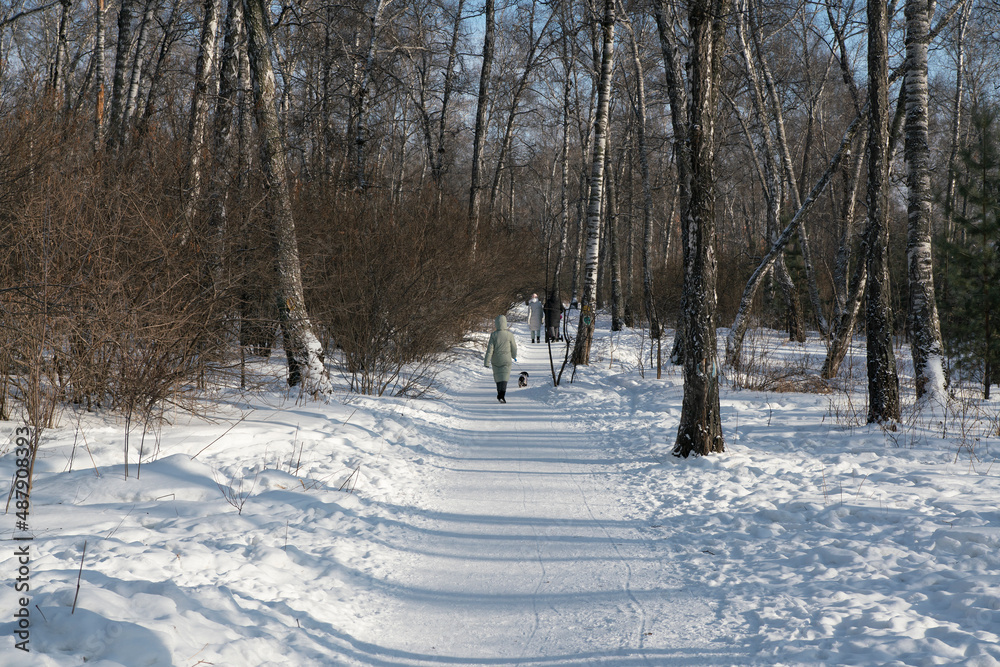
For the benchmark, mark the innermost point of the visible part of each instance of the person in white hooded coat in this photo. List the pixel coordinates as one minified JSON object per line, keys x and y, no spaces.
{"x":501,"y":352}
{"x":535,"y":318}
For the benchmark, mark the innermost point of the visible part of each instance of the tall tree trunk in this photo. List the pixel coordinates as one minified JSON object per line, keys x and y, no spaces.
{"x":843,"y":333}
{"x":585,"y":329}
{"x":883,"y":381}
{"x":784,"y":154}
{"x":841,"y":280}
{"x":700,"y":428}
{"x":223,"y":136}
{"x":777,"y":180}
{"x":851,"y":290}
{"x":58,"y":81}
{"x":956,"y":115}
{"x":564,"y":160}
{"x":138,"y":63}
{"x":437,"y":160}
{"x":673,"y":69}
{"x":119,"y":88}
{"x":361,"y":98}
{"x":479,"y":135}
{"x":925,"y":327}
{"x":305,"y":354}
{"x":614,"y":251}
{"x":530,"y":61}
{"x":99,"y":78}
{"x":152,"y":77}
{"x":199,"y":107}
{"x":649,"y":302}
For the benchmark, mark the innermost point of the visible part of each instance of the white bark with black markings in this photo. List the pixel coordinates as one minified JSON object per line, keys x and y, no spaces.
{"x":925,"y":328}
{"x":883,"y":379}
{"x":588,"y":302}
{"x":305,"y":354}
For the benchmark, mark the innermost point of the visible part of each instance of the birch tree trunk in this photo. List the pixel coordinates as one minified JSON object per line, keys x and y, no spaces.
{"x":775,"y":170}
{"x":305,"y":354}
{"x":507,"y":138}
{"x":132,"y":98}
{"x":479,"y":136}
{"x":925,"y":327}
{"x":673,"y":69}
{"x":700,"y":429}
{"x":844,"y":331}
{"x":883,"y":381}
{"x":647,"y":197}
{"x":152,"y":77}
{"x":784,"y":154}
{"x":614,"y":251}
{"x":361,"y":98}
{"x":588,"y":302}
{"x":59,"y":69}
{"x":119,"y":89}
{"x":849,"y":295}
{"x":956,"y":115}
{"x":99,"y":78}
{"x":564,"y":160}
{"x":437,"y":160}
{"x":199,"y":106}
{"x":222,"y":135}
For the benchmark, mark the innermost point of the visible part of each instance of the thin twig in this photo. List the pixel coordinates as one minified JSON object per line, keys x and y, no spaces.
{"x":79,"y":576}
{"x":224,"y":433}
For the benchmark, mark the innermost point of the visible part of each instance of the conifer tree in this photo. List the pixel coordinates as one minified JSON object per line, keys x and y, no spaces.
{"x":971,"y":304}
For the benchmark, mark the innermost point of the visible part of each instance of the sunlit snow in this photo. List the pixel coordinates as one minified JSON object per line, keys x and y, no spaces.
{"x":554,"y":530}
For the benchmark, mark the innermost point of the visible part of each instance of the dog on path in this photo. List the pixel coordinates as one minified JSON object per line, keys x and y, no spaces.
{"x":522,"y":379}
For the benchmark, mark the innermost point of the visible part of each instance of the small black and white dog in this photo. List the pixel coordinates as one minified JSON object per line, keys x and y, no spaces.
{"x":522,"y":379}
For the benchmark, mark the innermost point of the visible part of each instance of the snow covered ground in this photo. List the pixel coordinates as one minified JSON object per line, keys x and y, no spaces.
{"x":553,"y":530}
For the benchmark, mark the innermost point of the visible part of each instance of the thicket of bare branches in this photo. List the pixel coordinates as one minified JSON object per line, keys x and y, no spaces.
{"x":393,"y":285}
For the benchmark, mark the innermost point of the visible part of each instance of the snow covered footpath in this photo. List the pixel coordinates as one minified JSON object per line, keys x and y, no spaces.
{"x":553,"y":530}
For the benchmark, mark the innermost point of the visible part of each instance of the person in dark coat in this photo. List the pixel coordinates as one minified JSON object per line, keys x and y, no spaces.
{"x":553,"y":314}
{"x":501,"y":353}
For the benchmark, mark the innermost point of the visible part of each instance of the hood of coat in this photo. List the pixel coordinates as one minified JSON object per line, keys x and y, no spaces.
{"x":501,"y":322}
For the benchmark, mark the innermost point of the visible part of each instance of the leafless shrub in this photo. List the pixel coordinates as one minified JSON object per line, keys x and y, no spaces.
{"x":236,"y":491}
{"x":393,"y":286}
{"x":107,"y":302}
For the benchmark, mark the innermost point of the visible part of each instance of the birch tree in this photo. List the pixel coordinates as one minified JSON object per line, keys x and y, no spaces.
{"x":361,"y":90}
{"x":479,"y":133}
{"x":302,"y":347}
{"x":956,"y":111}
{"x":588,"y":302}
{"x":700,"y":428}
{"x":200,"y":104}
{"x":98,"y":64}
{"x":138,"y":62}
{"x":667,"y":23}
{"x":925,"y":328}
{"x":647,"y":198}
{"x":568,"y":61}
{"x":883,"y":380}
{"x":121,"y":77}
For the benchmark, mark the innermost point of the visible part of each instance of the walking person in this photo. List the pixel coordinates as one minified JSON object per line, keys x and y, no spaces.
{"x":535,"y":314}
{"x":501,"y":352}
{"x":553,"y":313}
